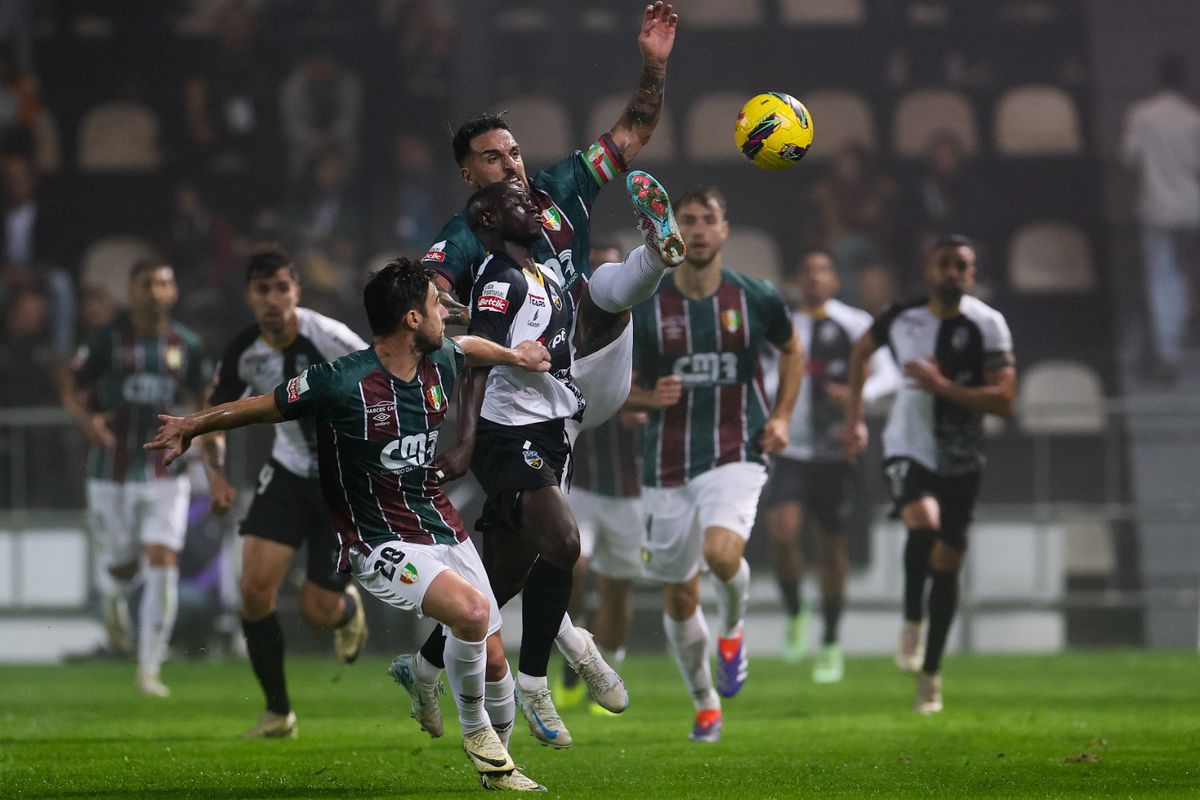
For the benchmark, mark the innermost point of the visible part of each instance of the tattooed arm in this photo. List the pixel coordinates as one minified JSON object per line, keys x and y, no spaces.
{"x":637,"y":122}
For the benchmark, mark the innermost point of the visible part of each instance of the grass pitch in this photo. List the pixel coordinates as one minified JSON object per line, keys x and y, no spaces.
{"x":1079,"y":725}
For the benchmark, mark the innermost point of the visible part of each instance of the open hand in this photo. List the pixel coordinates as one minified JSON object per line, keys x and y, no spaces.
{"x":854,"y":439}
{"x":658,"y":34}
{"x":172,"y":436}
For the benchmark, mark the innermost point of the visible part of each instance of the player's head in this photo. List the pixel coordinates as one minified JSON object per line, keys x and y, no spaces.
{"x":402,"y":298}
{"x":604,"y":252}
{"x":152,"y":288}
{"x":817,"y":278}
{"x":486,"y":152}
{"x":272,"y":289}
{"x":502,"y":212}
{"x":949,"y":269}
{"x":701,"y":217}
{"x":1172,"y":72}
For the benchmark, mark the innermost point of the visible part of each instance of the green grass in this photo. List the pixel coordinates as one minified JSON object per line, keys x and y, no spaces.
{"x":1011,"y":728}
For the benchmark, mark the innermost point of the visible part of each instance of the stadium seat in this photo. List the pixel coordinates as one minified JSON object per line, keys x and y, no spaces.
{"x":1060,"y":397}
{"x":541,"y":126}
{"x":753,"y":252}
{"x":107,"y":261}
{"x":1050,"y":257}
{"x":710,"y":122}
{"x":821,"y":12}
{"x":1091,"y":550}
{"x":723,"y":14}
{"x":1037,"y":121}
{"x":923,"y":112}
{"x":839,"y":117}
{"x":119,"y":136}
{"x":608,"y":110}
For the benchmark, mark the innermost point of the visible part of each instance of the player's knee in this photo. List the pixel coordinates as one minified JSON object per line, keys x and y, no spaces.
{"x":473,"y":614}
{"x":563,"y":552}
{"x":258,"y":597}
{"x":158,"y":555}
{"x":497,"y":663}
{"x":681,"y":600}
{"x":124,"y":572}
{"x":320,"y":608}
{"x":948,"y":550}
{"x":722,"y":556}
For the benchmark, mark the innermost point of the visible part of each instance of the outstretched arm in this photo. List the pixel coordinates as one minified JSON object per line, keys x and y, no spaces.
{"x":480,"y":352}
{"x":176,"y":433}
{"x":633,"y":130}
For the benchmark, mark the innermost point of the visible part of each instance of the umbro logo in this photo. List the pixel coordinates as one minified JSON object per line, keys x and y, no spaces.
{"x":381,"y":417}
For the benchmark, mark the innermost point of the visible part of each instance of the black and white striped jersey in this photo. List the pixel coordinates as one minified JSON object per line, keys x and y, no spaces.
{"x":250,"y":366}
{"x":510,"y":305}
{"x":938,"y":434}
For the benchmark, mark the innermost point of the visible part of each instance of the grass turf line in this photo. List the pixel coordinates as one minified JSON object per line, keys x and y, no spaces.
{"x":1077,"y":725}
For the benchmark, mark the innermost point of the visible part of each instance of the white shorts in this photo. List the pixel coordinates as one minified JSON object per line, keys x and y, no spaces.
{"x":123,"y":517}
{"x":724,"y":497}
{"x":399,"y":573}
{"x":611,"y":530}
{"x":604,"y":378}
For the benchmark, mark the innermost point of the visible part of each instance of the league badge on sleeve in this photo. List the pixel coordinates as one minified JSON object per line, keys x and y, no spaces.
{"x":437,"y":252}
{"x":494,"y":297}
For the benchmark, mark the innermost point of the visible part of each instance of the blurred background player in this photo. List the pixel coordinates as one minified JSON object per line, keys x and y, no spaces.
{"x":605,"y":496}
{"x":810,"y":477}
{"x":287,"y":511}
{"x":127,"y":373}
{"x":956,"y":353}
{"x":704,"y":455}
{"x":378,"y":412}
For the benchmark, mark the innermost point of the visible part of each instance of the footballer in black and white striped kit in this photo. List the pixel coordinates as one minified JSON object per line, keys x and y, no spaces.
{"x":288,"y":510}
{"x":956,"y":354}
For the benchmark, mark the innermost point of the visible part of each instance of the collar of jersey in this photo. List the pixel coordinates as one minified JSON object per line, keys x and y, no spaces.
{"x":416,"y":378}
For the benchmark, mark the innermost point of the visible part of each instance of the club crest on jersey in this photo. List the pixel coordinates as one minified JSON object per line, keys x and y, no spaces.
{"x":435,"y":397}
{"x":174,"y":357}
{"x":731,"y":320}
{"x":828,"y":334}
{"x":551,"y":219}
{"x":533,"y":458}
{"x":960,"y":339}
{"x":437,"y":252}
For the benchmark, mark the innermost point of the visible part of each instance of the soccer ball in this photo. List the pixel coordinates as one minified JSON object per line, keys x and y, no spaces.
{"x":773,"y":130}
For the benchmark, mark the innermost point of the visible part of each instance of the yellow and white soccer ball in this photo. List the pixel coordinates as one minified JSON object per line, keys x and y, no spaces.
{"x":773,"y":130}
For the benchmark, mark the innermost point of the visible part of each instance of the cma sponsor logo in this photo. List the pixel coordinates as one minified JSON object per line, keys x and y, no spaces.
{"x":706,"y":369}
{"x":409,"y":452}
{"x":148,"y":389}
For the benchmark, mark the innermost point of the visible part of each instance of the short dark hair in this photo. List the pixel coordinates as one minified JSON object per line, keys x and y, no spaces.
{"x":392,"y":292}
{"x":484,"y":200}
{"x":702,"y":195}
{"x":265,"y":262}
{"x":1172,"y":72}
{"x":951,"y":240}
{"x":461,"y":143}
{"x":145,"y":265}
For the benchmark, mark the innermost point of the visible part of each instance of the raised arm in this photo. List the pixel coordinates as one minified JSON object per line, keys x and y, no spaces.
{"x":176,"y":433}
{"x":633,"y":130}
{"x":791,"y":370}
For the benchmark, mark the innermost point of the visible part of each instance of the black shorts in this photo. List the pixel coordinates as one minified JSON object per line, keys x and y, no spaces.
{"x":908,"y":480}
{"x":512,"y":459}
{"x":291,"y":510}
{"x":818,"y":486}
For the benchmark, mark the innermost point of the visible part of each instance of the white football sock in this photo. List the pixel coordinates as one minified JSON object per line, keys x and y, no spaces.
{"x":529,"y":684}
{"x":426,"y":673}
{"x":571,"y":643}
{"x":690,"y":644}
{"x":733,"y":596}
{"x":500,"y":706}
{"x":618,"y":287}
{"x":160,"y":604}
{"x":465,"y":662}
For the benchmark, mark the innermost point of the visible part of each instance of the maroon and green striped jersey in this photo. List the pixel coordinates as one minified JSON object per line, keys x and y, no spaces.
{"x":134,"y":377}
{"x":607,"y":460}
{"x":713,"y":345}
{"x":377,"y":436}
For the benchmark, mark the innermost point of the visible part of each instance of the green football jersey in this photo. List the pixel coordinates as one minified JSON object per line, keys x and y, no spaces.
{"x":377,"y":436}
{"x":134,"y":378}
{"x":564,"y":193}
{"x":713,"y":345}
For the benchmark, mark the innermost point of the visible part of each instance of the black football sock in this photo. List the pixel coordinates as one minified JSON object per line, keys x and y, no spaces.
{"x":264,"y":644}
{"x":434,"y":648}
{"x":790,"y":588}
{"x":831,"y":610}
{"x":916,"y":569}
{"x":547,"y":595}
{"x":351,"y":608}
{"x":943,"y":602}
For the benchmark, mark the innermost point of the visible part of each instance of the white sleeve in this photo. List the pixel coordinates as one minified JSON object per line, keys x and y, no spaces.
{"x":997,"y":342}
{"x":884,"y":379}
{"x":334,"y":339}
